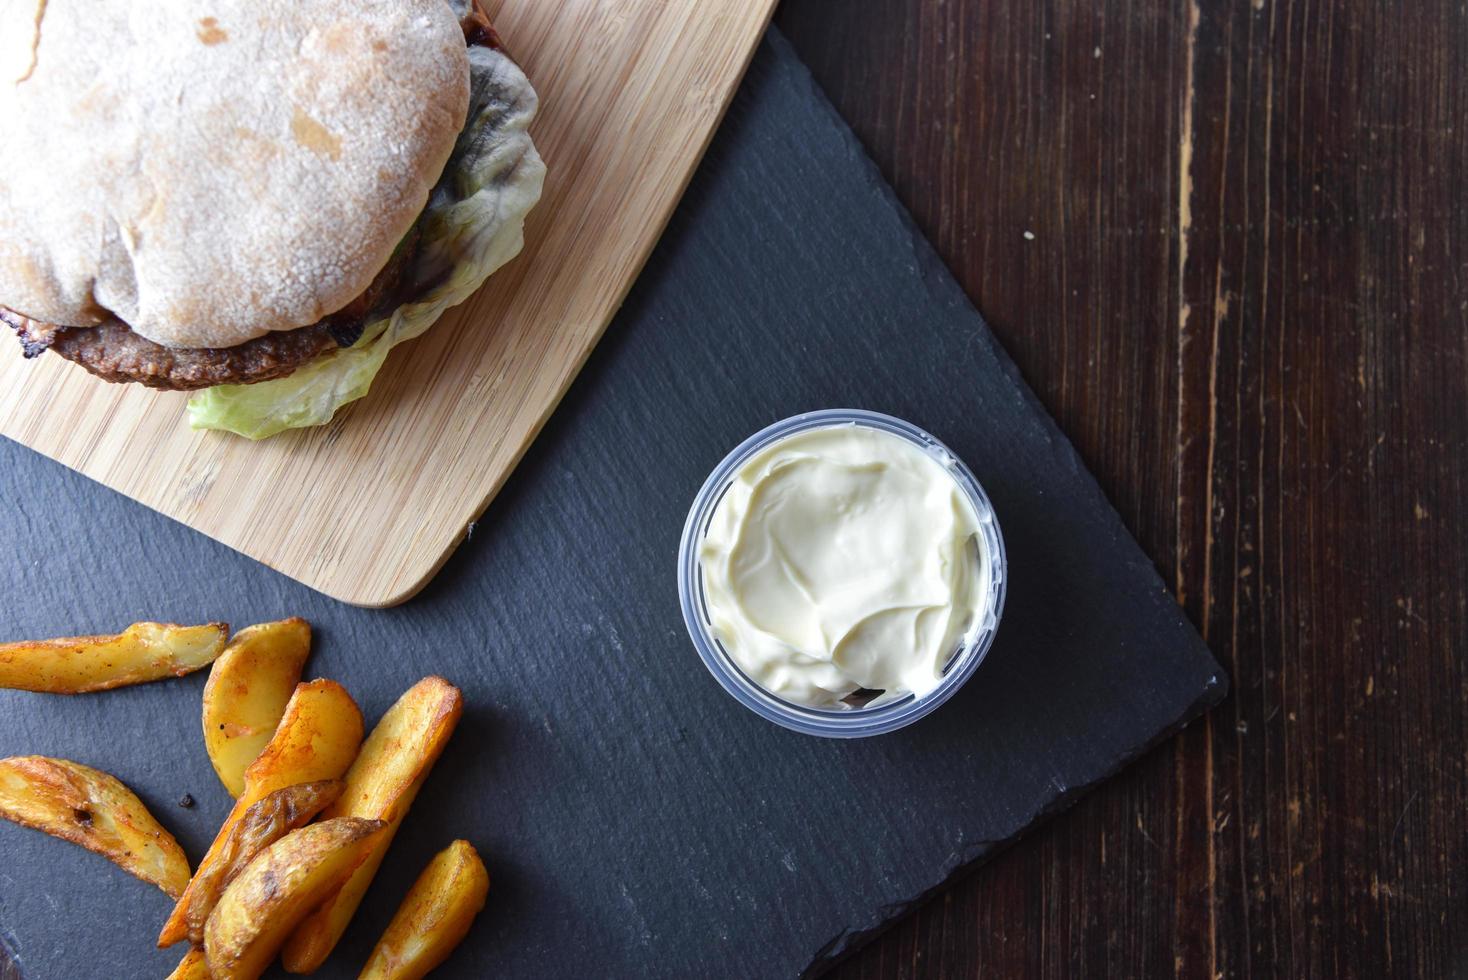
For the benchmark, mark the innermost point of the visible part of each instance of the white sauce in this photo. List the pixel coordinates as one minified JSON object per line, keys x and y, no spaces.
{"x":841,"y":559}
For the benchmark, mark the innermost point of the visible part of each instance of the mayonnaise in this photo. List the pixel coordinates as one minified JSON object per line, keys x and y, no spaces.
{"x":843,"y":559}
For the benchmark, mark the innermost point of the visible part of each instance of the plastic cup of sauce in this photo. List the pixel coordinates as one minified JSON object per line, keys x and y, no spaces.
{"x":842,"y":573}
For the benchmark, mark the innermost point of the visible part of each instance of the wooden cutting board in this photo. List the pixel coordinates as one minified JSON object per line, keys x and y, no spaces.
{"x":367,"y":509}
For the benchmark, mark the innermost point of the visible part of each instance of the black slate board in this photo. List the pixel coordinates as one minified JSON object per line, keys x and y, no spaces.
{"x":636,"y":820}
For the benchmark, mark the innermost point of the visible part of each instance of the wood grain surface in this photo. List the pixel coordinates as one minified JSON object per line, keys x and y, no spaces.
{"x":367,"y":508}
{"x":1225,"y":243}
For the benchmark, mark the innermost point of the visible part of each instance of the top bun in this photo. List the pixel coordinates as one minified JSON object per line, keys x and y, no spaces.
{"x":211,"y":170}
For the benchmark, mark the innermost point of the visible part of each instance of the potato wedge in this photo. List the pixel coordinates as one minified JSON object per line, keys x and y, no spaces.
{"x":381,"y":785}
{"x":192,"y":967}
{"x":247,"y":692}
{"x":434,"y":917}
{"x":142,"y":652}
{"x":318,"y":738}
{"x":265,"y":902}
{"x":264,"y":823}
{"x":88,"y":807}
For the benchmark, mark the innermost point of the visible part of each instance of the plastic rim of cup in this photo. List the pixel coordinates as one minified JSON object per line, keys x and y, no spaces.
{"x":845,"y":722}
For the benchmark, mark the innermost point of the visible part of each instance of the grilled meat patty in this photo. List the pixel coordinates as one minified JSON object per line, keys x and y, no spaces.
{"x":113,"y":352}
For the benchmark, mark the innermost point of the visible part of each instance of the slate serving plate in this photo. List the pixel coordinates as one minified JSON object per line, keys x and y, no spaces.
{"x":635,"y":819}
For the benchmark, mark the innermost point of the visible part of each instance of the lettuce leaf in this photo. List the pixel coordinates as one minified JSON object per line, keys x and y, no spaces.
{"x":473,"y":224}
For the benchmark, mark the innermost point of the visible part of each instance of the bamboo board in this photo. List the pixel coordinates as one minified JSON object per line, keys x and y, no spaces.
{"x":368,"y":508}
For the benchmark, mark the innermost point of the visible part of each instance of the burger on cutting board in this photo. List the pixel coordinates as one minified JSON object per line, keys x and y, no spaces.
{"x":253,"y":200}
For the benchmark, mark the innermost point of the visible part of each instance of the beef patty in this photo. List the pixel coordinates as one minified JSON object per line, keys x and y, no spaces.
{"x":113,"y":352}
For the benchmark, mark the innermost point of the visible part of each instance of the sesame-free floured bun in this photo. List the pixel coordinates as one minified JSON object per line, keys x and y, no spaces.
{"x":212,"y":170}
{"x":210,"y":194}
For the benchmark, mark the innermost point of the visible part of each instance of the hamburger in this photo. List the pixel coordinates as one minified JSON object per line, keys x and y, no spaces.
{"x":253,"y":200}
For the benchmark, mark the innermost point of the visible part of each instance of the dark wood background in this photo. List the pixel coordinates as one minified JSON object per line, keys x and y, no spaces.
{"x":1224,"y":242}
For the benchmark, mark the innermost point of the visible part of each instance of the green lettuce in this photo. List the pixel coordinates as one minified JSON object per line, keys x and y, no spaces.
{"x":473,"y":224}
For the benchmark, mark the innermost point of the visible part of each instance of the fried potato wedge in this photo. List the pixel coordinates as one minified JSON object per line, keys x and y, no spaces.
{"x":192,"y":967}
{"x":264,"y":823}
{"x":434,"y":917}
{"x":78,"y":664}
{"x":381,"y":785}
{"x":266,"y":901}
{"x":88,"y":807}
{"x":317,"y":738}
{"x":247,"y":692}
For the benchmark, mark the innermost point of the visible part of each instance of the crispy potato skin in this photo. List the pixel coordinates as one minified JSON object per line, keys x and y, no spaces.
{"x":381,"y":785}
{"x":285,"y":881}
{"x":318,"y":738}
{"x":249,"y":686}
{"x":78,"y":664}
{"x":88,"y":807}
{"x":264,"y":823}
{"x":434,"y":917}
{"x":192,"y":967}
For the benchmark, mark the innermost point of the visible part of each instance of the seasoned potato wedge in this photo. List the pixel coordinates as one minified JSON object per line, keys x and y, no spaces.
{"x":381,"y":785}
{"x":318,"y":738}
{"x":142,"y":652}
{"x":247,"y":692}
{"x":265,"y":901}
{"x":264,"y":823}
{"x":192,"y":967}
{"x":91,"y":808}
{"x":434,"y":917}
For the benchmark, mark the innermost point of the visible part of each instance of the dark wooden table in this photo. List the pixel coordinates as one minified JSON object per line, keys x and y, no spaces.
{"x":1224,"y":242}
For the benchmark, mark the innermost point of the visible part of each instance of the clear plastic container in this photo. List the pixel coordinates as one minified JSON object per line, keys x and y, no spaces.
{"x":843,"y":722}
